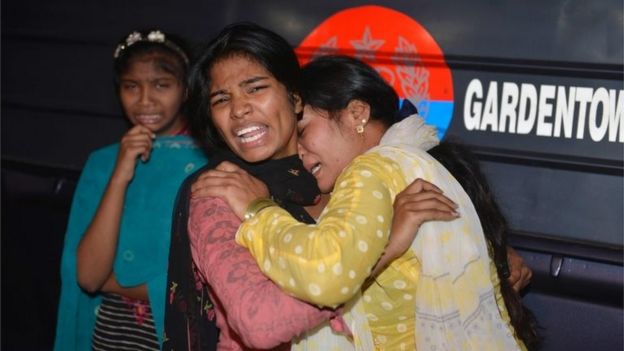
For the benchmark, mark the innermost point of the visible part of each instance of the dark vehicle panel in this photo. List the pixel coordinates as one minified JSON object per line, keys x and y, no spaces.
{"x":560,"y":184}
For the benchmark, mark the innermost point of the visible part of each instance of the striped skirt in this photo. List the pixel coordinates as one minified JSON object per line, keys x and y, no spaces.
{"x":124,"y":324}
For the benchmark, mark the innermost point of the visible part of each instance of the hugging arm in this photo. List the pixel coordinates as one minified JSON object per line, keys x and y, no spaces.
{"x":421,"y":202}
{"x":257,"y":310}
{"x":327,"y":263}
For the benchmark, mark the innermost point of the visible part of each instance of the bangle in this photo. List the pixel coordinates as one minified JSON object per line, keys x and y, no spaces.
{"x":258,"y":205}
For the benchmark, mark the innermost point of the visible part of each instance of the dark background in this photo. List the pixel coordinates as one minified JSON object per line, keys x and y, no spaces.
{"x":563,"y":198}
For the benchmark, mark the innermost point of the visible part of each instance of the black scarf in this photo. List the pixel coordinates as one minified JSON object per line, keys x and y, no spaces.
{"x":189,"y":314}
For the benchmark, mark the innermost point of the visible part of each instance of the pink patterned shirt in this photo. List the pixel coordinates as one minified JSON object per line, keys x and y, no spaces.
{"x":252,"y":312}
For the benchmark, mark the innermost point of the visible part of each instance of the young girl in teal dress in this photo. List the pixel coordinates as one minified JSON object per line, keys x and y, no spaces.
{"x":114,"y":260}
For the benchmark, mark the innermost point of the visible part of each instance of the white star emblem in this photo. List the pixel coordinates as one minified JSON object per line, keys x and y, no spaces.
{"x":330,"y":47}
{"x":365,"y":48}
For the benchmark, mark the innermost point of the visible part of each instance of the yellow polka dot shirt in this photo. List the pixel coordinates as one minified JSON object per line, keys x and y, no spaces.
{"x":328,"y":263}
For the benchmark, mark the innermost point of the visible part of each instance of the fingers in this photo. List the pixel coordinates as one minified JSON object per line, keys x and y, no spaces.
{"x":412,"y":210}
{"x":517,"y":286}
{"x":215,"y":183}
{"x":428,"y":204}
{"x":438,"y":196}
{"x":139,"y":129}
{"x":210,"y":177}
{"x":224,"y":178}
{"x":514,"y":279}
{"x":525,"y":278}
{"x":520,"y":275}
{"x":136,"y":144}
{"x":227,"y":166}
{"x":224,"y":169}
{"x":426,"y":200}
{"x":436,"y":215}
{"x":137,"y":136}
{"x":213,"y":173}
{"x":212,"y":187}
{"x":520,"y":279}
{"x":419,"y":185}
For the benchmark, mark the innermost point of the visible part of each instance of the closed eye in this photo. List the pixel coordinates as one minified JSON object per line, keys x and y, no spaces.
{"x":128,"y":85}
{"x":300,"y":128}
{"x":218,"y":100}
{"x":163,"y":84}
{"x":254,"y":89}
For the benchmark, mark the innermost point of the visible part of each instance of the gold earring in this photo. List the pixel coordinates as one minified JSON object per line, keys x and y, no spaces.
{"x":360,"y":129}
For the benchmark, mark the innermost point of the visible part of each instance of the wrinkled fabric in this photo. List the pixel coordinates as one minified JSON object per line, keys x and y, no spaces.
{"x":189,"y":325}
{"x":441,"y":294}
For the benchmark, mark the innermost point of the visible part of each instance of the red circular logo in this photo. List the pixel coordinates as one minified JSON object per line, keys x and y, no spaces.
{"x":401,"y":50}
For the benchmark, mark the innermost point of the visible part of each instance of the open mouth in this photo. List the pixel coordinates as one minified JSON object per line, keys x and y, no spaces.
{"x":251,"y":133}
{"x":148,"y":119}
{"x":315,"y":169}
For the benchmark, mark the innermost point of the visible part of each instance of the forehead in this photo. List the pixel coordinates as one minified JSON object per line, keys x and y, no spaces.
{"x":311,"y":113}
{"x":235,"y":69}
{"x":147,"y":65}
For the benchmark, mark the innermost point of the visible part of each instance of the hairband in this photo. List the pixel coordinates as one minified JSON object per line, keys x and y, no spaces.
{"x":154,"y":36}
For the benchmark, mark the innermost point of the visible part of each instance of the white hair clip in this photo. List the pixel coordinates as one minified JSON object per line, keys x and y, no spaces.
{"x":133,"y":38}
{"x":154,"y":36}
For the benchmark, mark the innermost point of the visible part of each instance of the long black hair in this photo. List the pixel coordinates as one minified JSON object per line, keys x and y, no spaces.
{"x":252,"y":41}
{"x":331,"y":82}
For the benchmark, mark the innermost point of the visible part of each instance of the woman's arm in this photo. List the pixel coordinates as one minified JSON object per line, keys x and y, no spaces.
{"x":257,"y":310}
{"x":96,"y":250}
{"x":420,"y":202}
{"x":138,"y":292}
{"x":327,"y":263}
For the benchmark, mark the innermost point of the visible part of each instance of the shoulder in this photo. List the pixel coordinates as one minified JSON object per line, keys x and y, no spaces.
{"x":373,"y":163}
{"x":104,"y":152}
{"x":371,"y":170}
{"x":390,"y":165}
{"x":102,"y":158}
{"x":405,"y":157}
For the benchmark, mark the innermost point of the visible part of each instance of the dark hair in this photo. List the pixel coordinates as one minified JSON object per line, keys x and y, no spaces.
{"x":331,"y":82}
{"x":259,"y":44}
{"x":168,"y":51}
{"x":464,"y":167}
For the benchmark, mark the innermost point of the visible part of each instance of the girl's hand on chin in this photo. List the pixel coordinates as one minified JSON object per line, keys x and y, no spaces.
{"x":232,"y":184}
{"x":136,"y":143}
